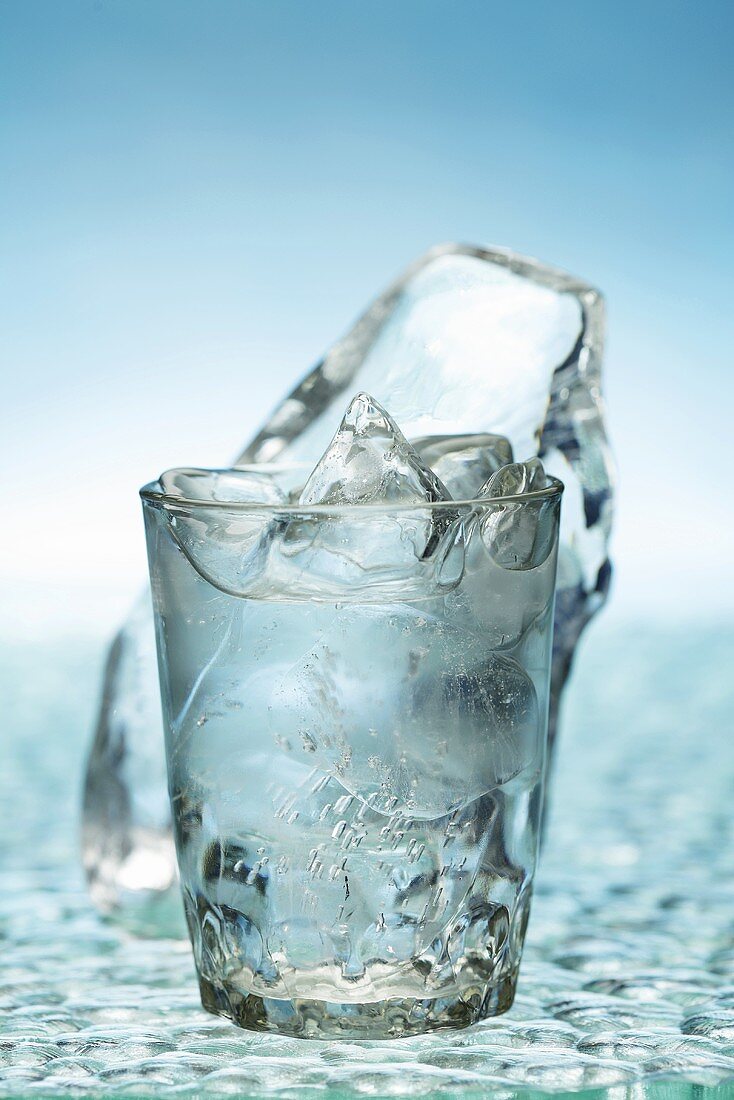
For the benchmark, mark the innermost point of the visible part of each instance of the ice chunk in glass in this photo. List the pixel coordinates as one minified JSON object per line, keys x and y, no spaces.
{"x":515,"y":536}
{"x":370,"y":462}
{"x":411,"y":714}
{"x":464,"y":463}
{"x":226,"y":550}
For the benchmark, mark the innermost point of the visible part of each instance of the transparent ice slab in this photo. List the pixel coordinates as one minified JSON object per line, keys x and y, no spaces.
{"x":471,"y":340}
{"x":466,"y":341}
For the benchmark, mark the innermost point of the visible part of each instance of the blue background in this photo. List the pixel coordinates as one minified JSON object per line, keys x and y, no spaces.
{"x":197,"y":198}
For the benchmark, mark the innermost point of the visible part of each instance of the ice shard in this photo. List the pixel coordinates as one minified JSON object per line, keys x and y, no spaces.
{"x":468,"y":341}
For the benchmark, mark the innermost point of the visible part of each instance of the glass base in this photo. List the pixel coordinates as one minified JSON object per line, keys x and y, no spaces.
{"x":389,"y":1019}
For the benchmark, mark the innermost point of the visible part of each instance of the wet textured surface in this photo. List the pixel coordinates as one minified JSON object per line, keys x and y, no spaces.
{"x":627,"y":986}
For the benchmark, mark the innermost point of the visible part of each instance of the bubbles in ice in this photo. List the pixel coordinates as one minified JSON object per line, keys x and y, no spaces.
{"x":409,"y":713}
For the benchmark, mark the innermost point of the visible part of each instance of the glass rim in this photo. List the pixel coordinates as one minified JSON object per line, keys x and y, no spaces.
{"x":151,"y":493}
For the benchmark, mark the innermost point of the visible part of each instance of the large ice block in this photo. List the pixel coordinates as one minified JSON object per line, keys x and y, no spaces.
{"x":472,"y":340}
{"x":467,"y":341}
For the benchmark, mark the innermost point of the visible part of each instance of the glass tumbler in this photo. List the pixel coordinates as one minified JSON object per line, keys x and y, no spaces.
{"x":355,"y":701}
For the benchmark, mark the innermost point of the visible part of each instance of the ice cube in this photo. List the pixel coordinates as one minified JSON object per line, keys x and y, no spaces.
{"x":234,"y":486}
{"x":227,"y":547}
{"x":409,"y":713}
{"x":518,"y":535}
{"x":464,"y":462}
{"x":380,"y":551}
{"x":508,"y":564}
{"x":369,"y":461}
{"x":514,"y":479}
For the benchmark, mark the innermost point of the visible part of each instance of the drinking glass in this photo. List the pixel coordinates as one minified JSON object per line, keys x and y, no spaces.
{"x":355,"y":701}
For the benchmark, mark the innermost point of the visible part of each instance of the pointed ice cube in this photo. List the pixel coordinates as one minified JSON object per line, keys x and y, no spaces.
{"x":464,"y":462}
{"x":352,"y":554}
{"x":369,"y":460}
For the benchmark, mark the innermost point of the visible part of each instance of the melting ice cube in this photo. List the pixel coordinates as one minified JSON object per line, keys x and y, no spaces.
{"x":515,"y":479}
{"x":234,"y":486}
